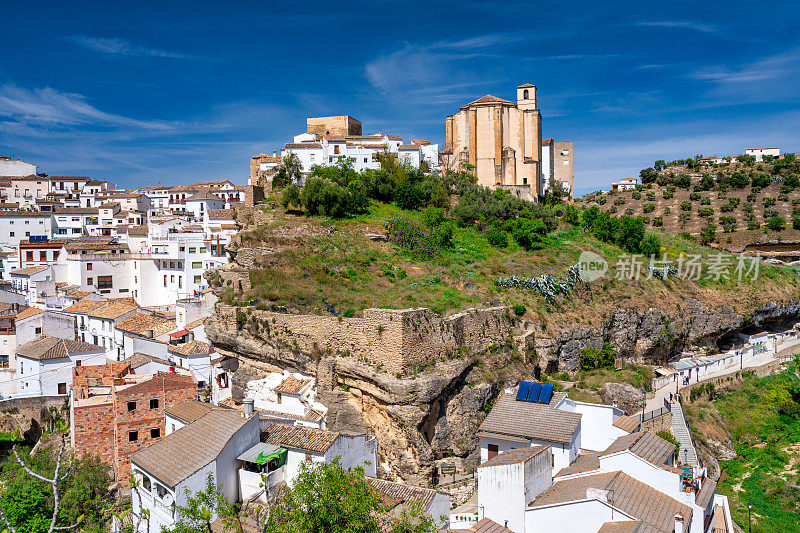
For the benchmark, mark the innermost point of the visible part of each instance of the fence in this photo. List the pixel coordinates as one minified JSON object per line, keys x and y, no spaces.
{"x":655,"y":413}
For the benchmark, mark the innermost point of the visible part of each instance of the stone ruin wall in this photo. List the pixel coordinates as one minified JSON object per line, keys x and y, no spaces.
{"x":394,"y":340}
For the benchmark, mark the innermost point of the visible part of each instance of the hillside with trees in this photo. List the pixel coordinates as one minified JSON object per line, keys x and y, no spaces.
{"x":726,"y":205}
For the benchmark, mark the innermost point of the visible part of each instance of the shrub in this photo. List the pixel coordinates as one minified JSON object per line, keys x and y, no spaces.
{"x":321,"y":196}
{"x":796,"y":222}
{"x":694,"y":196}
{"x":648,"y":208}
{"x":290,"y":196}
{"x":519,"y":309}
{"x":761,"y":180}
{"x":651,"y":246}
{"x":591,"y":358}
{"x":620,"y":201}
{"x":667,"y":195}
{"x":776,"y":223}
{"x":648,"y":175}
{"x":497,"y":237}
{"x":769,"y":201}
{"x":636,"y":195}
{"x":708,"y":234}
{"x":706,"y":212}
{"x":706,"y":200}
{"x":411,"y":232}
{"x":686,"y":206}
{"x":753,"y":224}
{"x":528,"y":233}
{"x":349,"y":313}
{"x":658,"y":222}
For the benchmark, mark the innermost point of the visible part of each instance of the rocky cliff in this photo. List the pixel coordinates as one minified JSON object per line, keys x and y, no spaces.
{"x":433,"y":413}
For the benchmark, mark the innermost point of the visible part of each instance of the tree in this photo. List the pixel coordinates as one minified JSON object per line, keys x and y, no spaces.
{"x":290,"y":196}
{"x":591,"y":358}
{"x":648,"y":175}
{"x":292,"y":168}
{"x":557,"y":192}
{"x":32,"y":502}
{"x":660,"y":165}
{"x":201,"y":507}
{"x":326,"y":498}
{"x":651,"y":247}
{"x":776,"y":223}
{"x":708,"y":234}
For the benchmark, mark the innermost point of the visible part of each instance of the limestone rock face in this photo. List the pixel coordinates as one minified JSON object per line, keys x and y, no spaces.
{"x":624,"y":395}
{"x":420,"y":416}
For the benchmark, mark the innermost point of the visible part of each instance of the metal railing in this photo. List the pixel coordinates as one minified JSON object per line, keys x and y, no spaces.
{"x":655,"y":413}
{"x":689,"y":430}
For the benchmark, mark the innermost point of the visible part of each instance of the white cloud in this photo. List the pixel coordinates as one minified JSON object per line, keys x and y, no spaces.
{"x":681,"y":25}
{"x":49,"y":106}
{"x":773,"y":78}
{"x":123,"y":47}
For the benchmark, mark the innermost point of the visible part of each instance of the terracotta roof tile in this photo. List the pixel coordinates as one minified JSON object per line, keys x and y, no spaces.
{"x":188,"y":411}
{"x":302,"y":438}
{"x":140,"y":324}
{"x":646,"y":445}
{"x":185,"y":451}
{"x":194,"y":347}
{"x":27,"y":313}
{"x":402,"y":493}
{"x":85,"y":306}
{"x":292,"y":385}
{"x":220,"y":214}
{"x":115,"y":308}
{"x":28,"y":271}
{"x":46,"y":347}
{"x":514,"y":456}
{"x":655,"y":509}
{"x":531,"y":420}
{"x":626,"y":423}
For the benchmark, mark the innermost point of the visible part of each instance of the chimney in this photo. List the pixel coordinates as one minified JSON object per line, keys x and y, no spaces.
{"x":148,"y":334}
{"x":678,"y":523}
{"x":600,"y":494}
{"x":247,"y":403}
{"x":274,"y":153}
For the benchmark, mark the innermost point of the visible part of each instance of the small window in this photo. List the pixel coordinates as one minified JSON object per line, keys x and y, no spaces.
{"x":88,"y":266}
{"x":131,"y":406}
{"x":197,"y":264}
{"x":192,"y":250}
{"x":308,"y":457}
{"x":493,"y":450}
{"x":62,"y":388}
{"x":89,"y":281}
{"x":202,"y":250}
{"x":154,"y":403}
{"x":155,"y":433}
{"x":525,"y":94}
{"x":37,"y":330}
{"x":133,"y":436}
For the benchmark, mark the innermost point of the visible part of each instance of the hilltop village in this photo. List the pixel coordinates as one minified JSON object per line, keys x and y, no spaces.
{"x":181,"y":332}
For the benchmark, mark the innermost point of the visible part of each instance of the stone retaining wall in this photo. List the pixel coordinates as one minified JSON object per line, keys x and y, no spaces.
{"x":395,"y":340}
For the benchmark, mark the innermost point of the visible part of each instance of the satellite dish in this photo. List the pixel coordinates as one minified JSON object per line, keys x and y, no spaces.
{"x":168,"y":499}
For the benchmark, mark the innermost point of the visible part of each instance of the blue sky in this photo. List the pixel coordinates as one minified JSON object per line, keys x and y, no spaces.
{"x":170,"y":92}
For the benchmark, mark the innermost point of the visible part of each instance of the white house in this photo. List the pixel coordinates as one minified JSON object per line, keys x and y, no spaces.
{"x":624,"y":184}
{"x":516,"y":423}
{"x":44,"y":365}
{"x":16,"y":167}
{"x":199,"y":203}
{"x":184,"y":459}
{"x":287,"y":398}
{"x":759,"y":153}
{"x":508,"y":481}
{"x":19,"y":225}
{"x":319,"y":445}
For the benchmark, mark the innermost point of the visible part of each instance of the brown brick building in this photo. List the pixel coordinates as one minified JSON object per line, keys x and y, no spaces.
{"x":115,"y":413}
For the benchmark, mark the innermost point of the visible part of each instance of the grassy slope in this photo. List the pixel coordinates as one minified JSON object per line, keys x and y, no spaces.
{"x":341,"y":266}
{"x":768,"y":446}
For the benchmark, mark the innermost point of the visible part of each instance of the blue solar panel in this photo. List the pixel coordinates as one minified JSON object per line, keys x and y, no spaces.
{"x":536,"y":389}
{"x":546,"y":394}
{"x":524,"y":388}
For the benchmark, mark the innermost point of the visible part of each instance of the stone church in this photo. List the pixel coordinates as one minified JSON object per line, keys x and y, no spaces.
{"x":502,"y":142}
